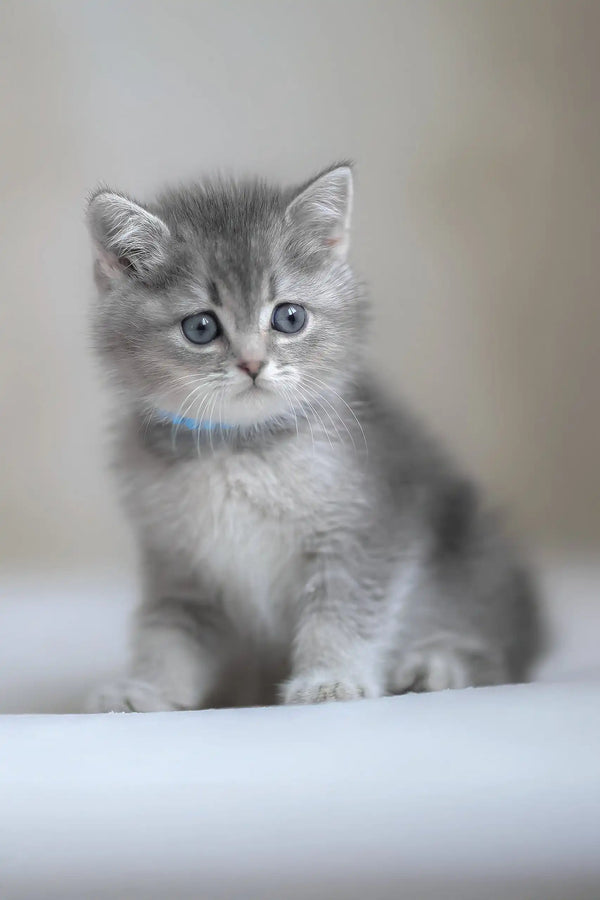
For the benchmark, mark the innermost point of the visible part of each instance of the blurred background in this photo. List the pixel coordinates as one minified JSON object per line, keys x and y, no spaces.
{"x":475,"y":127}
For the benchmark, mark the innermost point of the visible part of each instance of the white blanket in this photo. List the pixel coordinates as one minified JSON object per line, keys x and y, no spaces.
{"x":485,"y":794}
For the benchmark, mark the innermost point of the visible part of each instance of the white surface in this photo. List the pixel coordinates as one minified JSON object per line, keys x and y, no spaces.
{"x":466,"y":794}
{"x":484,"y":794}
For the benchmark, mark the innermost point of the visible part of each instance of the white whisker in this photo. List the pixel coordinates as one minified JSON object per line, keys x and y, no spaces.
{"x":347,"y":405}
{"x":182,"y":410}
{"x":304,"y":400}
{"x":204,"y":403}
{"x":209,"y":420}
{"x":290,"y":401}
{"x":319,"y":398}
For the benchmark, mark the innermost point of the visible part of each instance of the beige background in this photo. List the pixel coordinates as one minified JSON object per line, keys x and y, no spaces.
{"x":476,"y":131}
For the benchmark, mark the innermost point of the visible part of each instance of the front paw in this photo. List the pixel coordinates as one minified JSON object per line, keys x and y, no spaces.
{"x":324,"y":687}
{"x":128,"y":695}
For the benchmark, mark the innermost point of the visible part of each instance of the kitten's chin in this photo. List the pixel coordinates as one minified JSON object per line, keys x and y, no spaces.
{"x":254,"y":407}
{"x":248,"y":408}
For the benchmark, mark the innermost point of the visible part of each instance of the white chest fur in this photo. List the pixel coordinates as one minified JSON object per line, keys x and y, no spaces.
{"x":239,"y":522}
{"x":250,"y":544}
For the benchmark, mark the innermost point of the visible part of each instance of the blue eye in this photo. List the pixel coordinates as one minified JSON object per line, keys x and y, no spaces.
{"x":201,"y":328}
{"x":288,"y":317}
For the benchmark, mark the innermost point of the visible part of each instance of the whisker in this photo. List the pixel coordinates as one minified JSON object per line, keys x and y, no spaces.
{"x":319,"y":398}
{"x":204,"y":402}
{"x":294,"y":393}
{"x":182,"y":410}
{"x":347,"y":405}
{"x":221,"y":395}
{"x":305,"y":400}
{"x":290,"y":401}
{"x":211,"y":408}
{"x":337,"y":413}
{"x":146,"y":422}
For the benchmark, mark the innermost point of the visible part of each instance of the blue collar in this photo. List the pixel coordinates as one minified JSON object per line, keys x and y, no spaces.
{"x":194,"y":424}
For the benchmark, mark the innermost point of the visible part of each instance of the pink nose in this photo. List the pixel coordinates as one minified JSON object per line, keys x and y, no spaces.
{"x":251,"y":367}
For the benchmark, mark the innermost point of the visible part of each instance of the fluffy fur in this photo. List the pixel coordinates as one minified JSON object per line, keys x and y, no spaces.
{"x":310,"y":542}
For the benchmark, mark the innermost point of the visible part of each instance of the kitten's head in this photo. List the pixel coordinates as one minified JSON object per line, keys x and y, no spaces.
{"x":230,"y":303}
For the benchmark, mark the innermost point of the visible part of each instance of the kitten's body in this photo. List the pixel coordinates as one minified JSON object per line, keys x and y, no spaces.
{"x":321,"y":548}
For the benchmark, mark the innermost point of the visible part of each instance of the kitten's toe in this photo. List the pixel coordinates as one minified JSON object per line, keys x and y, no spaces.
{"x":324,"y":688}
{"x":447,"y":668}
{"x":128,"y":695}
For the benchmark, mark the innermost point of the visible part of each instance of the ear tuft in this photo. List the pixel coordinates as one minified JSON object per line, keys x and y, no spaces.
{"x":322,"y":211}
{"x":129,"y":240}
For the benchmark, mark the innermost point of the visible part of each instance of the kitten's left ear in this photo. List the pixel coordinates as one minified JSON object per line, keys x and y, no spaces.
{"x":128,"y":239}
{"x":321,"y":212}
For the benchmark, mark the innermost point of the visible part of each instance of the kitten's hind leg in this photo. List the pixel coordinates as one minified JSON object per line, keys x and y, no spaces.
{"x":471,"y":621}
{"x":179,"y":651}
{"x":444,"y":664}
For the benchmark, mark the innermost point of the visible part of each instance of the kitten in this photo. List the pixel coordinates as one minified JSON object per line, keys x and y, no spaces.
{"x":300,"y":538}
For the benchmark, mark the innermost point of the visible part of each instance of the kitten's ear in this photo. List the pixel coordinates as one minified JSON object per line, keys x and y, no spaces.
{"x":128,"y":239}
{"x":322,"y":212}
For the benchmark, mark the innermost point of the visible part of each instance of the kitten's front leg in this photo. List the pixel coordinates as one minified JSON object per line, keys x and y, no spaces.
{"x":179,"y":650}
{"x":338,"y":649}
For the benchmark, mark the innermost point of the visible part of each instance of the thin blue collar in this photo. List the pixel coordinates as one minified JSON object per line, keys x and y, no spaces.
{"x":194,"y":424}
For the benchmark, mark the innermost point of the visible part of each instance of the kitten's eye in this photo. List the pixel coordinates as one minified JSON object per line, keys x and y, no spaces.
{"x":288,"y":317}
{"x":201,"y":328}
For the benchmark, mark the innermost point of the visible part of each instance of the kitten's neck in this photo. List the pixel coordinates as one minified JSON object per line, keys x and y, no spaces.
{"x":334,"y":422}
{"x":191,"y":424}
{"x":182,"y":436}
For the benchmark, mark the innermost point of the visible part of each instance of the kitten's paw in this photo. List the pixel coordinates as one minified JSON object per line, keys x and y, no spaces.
{"x":446,"y":668}
{"x":325,"y":687}
{"x":128,"y":695}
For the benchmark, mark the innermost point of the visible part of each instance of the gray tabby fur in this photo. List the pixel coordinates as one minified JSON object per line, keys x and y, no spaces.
{"x":315,"y":544}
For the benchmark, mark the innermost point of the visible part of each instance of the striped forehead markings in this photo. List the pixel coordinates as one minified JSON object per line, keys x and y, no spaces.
{"x":213,"y":293}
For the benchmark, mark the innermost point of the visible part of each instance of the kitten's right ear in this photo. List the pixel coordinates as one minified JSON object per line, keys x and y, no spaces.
{"x":129,"y":241}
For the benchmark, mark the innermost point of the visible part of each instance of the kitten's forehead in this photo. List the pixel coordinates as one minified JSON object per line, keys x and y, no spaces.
{"x":232,"y":221}
{"x":232,"y":233}
{"x":241,"y":297}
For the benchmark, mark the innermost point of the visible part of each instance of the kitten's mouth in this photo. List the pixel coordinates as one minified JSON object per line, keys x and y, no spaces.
{"x":254,"y":403}
{"x":252,"y":389}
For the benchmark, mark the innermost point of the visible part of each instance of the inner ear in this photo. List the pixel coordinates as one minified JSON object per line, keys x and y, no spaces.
{"x":125,"y":263}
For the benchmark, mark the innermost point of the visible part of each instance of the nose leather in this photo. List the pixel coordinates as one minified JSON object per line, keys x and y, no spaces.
{"x":251,"y":366}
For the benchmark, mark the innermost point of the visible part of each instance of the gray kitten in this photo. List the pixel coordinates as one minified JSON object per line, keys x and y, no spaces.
{"x":300,"y":537}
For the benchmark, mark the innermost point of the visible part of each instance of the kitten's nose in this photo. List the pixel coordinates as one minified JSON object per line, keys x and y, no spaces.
{"x":251,"y":367}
